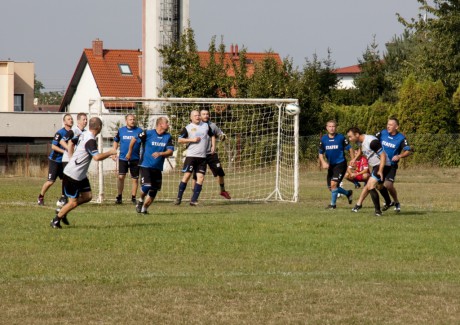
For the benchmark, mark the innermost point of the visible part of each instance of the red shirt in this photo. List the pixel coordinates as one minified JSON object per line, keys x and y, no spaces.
{"x":361,"y":164}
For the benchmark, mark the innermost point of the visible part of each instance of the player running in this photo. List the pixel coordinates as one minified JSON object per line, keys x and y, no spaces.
{"x":76,"y":183}
{"x":333,"y":146}
{"x":123,"y":139}
{"x":396,"y":147}
{"x":58,"y":147}
{"x":157,"y":145}
{"x":196,"y":136}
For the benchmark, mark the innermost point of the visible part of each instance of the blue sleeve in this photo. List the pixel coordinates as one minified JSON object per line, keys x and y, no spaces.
{"x":116,"y":138}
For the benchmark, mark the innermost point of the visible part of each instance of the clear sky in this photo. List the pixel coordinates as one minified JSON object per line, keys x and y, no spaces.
{"x":53,"y":33}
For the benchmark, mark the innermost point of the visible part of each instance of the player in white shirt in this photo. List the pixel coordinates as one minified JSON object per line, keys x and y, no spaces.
{"x":70,"y":140}
{"x":196,"y":136}
{"x":378,"y":160}
{"x":76,"y":183}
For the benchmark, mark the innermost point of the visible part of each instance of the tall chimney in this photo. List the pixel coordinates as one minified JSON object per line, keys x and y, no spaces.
{"x":236,"y":50}
{"x":98,"y":49}
{"x":231,"y":50}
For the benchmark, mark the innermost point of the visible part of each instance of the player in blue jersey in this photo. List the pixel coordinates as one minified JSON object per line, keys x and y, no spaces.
{"x":333,"y":145}
{"x":58,"y":147}
{"x":122,"y":140}
{"x":396,"y":147}
{"x":158,"y":145}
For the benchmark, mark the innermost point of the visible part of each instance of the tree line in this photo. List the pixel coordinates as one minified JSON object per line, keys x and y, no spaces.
{"x":416,"y":79}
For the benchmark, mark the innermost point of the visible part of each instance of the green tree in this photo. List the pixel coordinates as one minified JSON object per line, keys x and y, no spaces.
{"x":270,"y":79}
{"x":370,"y":83}
{"x":182,"y":73}
{"x":38,"y":86}
{"x":313,"y":87}
{"x":51,"y":97}
{"x":436,"y":39}
{"x":424,"y":107}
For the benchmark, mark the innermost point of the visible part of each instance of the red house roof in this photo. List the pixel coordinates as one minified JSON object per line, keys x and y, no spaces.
{"x":353,"y":69}
{"x":252,"y":58}
{"x":108,"y":76}
{"x":106,"y":68}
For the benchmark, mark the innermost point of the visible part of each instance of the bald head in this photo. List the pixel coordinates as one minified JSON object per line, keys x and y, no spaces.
{"x":95,"y":124}
{"x":195,"y":117}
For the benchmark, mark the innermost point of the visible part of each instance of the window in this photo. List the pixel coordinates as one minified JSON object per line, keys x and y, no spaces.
{"x":18,"y":103}
{"x":125,"y":69}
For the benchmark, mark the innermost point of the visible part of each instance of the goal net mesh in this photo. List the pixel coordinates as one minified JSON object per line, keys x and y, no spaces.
{"x":259,"y":155}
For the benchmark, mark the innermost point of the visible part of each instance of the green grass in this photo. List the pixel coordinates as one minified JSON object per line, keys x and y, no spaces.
{"x":265,"y":263}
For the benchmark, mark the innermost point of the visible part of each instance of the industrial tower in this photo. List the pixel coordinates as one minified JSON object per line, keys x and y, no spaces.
{"x":163,"y":23}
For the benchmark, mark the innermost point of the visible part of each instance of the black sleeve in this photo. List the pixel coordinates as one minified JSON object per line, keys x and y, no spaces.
{"x":91,"y":146}
{"x":142,"y":136}
{"x":183,"y":134}
{"x":210,"y":132}
{"x":69,"y":135}
{"x":75,"y":140}
{"x":375,"y":145}
{"x":170,"y":143}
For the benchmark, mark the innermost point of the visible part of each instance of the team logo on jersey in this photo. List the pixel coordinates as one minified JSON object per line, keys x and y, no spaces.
{"x":193,"y":129}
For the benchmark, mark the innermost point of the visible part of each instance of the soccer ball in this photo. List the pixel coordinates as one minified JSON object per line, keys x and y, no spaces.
{"x":292,"y":109}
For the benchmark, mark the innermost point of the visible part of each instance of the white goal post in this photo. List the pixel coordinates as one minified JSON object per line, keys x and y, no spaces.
{"x":259,"y":155}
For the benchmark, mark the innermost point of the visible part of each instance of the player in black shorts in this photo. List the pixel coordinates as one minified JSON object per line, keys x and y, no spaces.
{"x":212,"y":159}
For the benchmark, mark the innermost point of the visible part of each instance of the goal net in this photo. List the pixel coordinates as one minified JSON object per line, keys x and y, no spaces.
{"x":259,"y":155}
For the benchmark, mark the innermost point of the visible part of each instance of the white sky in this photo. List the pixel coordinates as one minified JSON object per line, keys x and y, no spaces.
{"x":53,"y":33}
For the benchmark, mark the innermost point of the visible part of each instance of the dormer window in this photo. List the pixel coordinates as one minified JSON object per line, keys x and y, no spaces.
{"x":125,"y":69}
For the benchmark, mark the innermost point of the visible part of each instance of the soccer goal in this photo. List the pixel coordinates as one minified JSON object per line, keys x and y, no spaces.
{"x":259,"y":155}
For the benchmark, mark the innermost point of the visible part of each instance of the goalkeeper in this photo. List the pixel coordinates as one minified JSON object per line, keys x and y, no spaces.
{"x":212,"y":158}
{"x":195,"y":136}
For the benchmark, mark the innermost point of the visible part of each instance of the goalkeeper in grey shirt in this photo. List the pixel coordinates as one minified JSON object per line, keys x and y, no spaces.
{"x":196,"y":136}
{"x":212,"y":158}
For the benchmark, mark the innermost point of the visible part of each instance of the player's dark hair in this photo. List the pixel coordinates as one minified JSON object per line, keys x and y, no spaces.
{"x":355,"y":130}
{"x":95,"y":123}
{"x":79,"y":115}
{"x":66,"y":116}
{"x":394,"y":119}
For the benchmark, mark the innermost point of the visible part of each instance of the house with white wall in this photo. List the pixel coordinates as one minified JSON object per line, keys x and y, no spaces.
{"x":346,"y":76}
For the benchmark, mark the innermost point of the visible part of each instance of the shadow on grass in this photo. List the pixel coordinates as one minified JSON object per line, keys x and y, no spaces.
{"x":115,"y":226}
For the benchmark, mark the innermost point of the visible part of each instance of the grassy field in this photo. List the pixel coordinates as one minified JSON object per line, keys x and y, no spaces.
{"x":227,"y":263}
